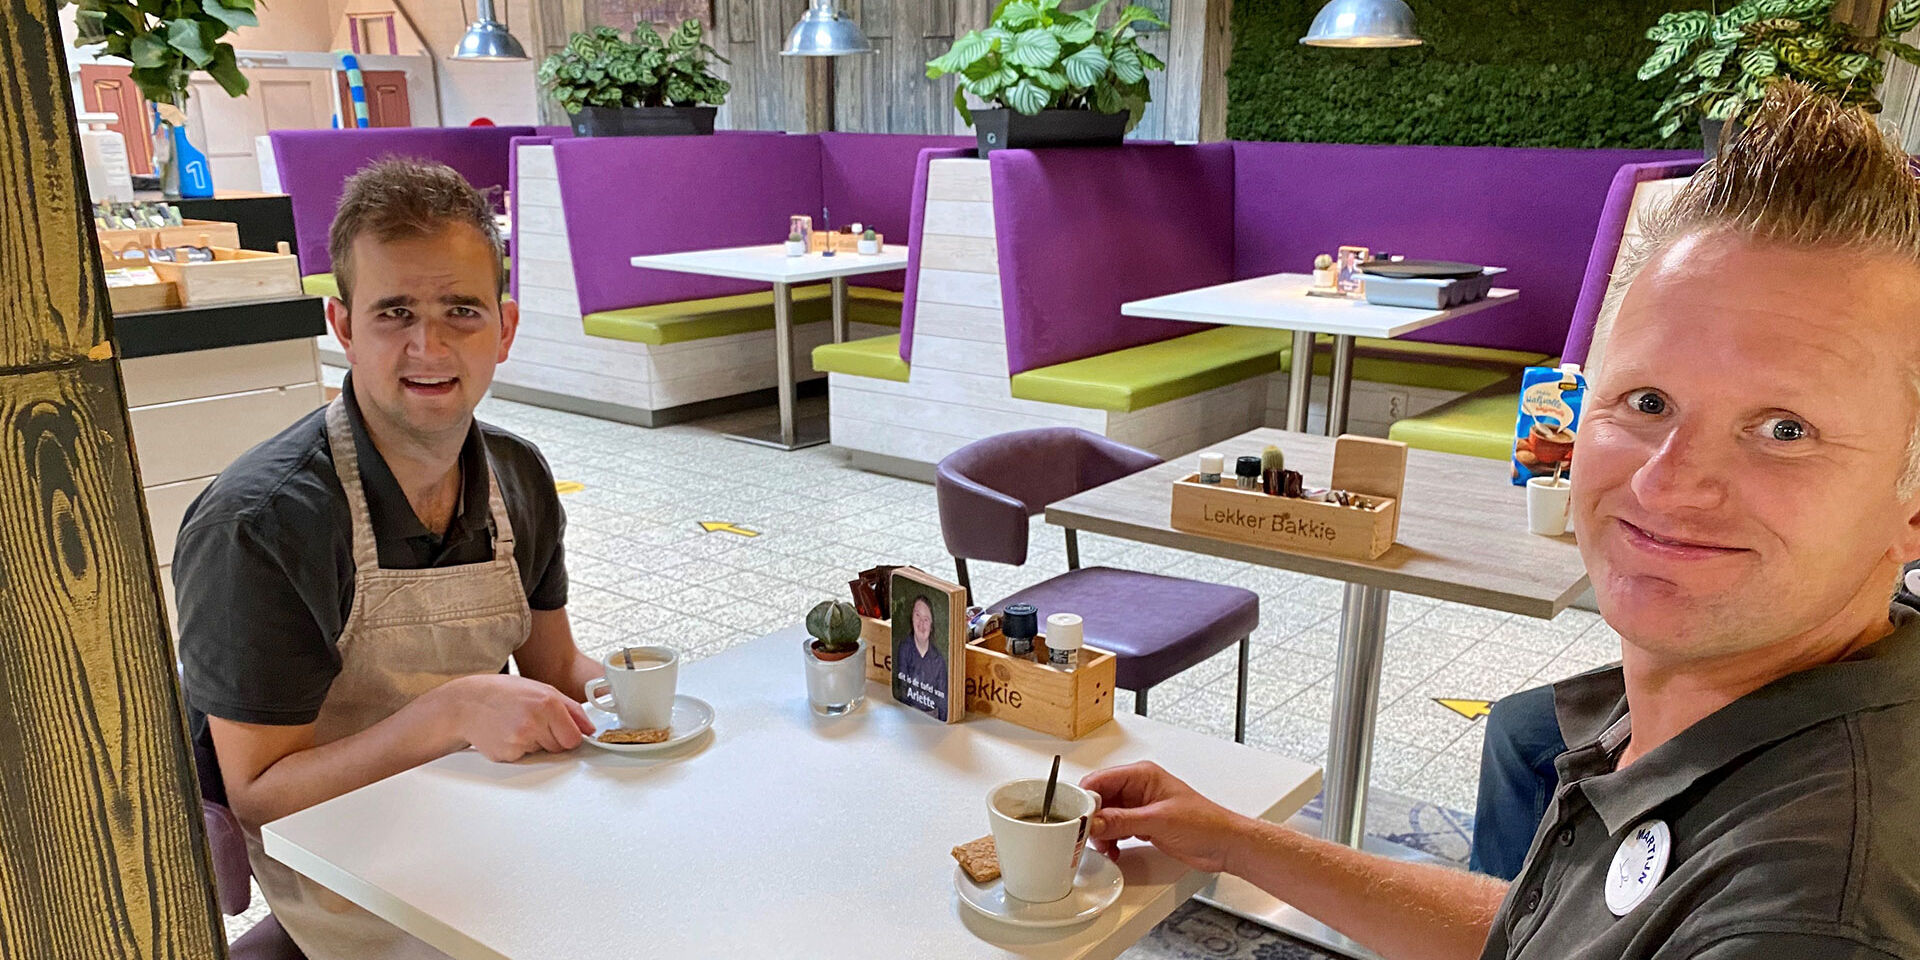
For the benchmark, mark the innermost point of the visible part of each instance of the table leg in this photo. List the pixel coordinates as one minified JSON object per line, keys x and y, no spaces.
{"x":1299,"y":380}
{"x":791,"y":434}
{"x":840,"y":331}
{"x":1341,"y":389}
{"x":1356,"y":698}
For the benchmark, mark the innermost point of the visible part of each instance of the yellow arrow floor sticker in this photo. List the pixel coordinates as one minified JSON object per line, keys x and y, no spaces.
{"x":568,"y":486}
{"x":1471,"y":709}
{"x":714,"y":527}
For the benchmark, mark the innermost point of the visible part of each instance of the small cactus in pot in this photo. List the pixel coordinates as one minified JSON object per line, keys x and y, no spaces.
{"x":869,"y":241}
{"x":836,"y":673}
{"x":835,"y":626}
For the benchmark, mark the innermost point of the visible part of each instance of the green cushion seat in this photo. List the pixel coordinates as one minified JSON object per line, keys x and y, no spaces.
{"x":685,"y":320}
{"x":1479,"y":424}
{"x":320,"y":285}
{"x":1412,"y":363}
{"x":1139,"y":377}
{"x":877,"y":357}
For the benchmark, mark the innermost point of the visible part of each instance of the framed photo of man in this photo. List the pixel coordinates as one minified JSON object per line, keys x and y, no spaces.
{"x":929,"y":618}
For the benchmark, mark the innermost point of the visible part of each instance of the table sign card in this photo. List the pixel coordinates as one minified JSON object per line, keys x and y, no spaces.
{"x":929,"y":644}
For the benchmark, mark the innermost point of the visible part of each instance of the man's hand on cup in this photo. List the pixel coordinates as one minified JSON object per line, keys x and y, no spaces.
{"x":507,"y":717}
{"x":1142,"y":800}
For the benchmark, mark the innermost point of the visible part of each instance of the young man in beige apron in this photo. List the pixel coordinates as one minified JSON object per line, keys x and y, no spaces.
{"x":352,"y":590}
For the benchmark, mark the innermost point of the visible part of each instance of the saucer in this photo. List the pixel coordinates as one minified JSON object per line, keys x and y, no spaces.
{"x":1096,"y":887}
{"x":691,"y":717}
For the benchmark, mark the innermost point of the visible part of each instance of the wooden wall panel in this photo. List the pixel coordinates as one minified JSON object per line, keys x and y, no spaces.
{"x":105,"y":853}
{"x":888,"y":91}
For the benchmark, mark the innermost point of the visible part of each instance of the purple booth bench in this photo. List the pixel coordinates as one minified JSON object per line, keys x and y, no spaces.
{"x":1026,"y":258}
{"x":1481,"y":423}
{"x":314,"y":166}
{"x":599,"y":336}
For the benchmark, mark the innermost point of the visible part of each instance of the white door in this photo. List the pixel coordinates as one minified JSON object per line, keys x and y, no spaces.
{"x":277,"y":99}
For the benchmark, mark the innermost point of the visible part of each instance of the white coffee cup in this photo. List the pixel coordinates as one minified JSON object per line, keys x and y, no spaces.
{"x":641,"y":696}
{"x":1038,"y":860}
{"x":1547,"y":500}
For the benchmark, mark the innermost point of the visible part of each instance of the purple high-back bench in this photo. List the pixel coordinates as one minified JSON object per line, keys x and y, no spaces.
{"x":1081,"y":232}
{"x":315,"y":164}
{"x":910,"y":299}
{"x":1607,"y":238}
{"x":869,"y":177}
{"x":631,"y":196}
{"x":1532,"y":211}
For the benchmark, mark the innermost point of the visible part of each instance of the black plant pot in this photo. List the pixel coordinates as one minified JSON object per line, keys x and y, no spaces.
{"x":643,"y":121}
{"x":1710,"y":133}
{"x":1001,"y":129}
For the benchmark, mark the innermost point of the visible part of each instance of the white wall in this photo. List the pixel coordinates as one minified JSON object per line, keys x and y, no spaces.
{"x":502,"y":92}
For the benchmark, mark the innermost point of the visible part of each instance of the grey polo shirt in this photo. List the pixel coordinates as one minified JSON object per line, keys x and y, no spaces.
{"x":1794,"y":814}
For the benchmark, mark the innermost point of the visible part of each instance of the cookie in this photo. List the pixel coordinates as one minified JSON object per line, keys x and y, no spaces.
{"x":979,"y":859}
{"x":626,"y":735}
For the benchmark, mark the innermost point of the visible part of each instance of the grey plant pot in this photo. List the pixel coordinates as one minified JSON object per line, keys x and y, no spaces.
{"x":1711,"y":132}
{"x":643,"y":121}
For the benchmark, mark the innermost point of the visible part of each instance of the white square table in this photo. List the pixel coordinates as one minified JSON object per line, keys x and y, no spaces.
{"x":778,"y":834}
{"x":769,"y":263}
{"x":1280,"y":301}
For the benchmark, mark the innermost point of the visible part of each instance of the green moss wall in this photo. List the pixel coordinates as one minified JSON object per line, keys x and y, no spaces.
{"x":1517,"y":73}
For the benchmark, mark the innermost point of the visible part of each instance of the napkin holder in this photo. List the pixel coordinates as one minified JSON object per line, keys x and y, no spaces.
{"x":1061,"y":703}
{"x":1373,"y":468}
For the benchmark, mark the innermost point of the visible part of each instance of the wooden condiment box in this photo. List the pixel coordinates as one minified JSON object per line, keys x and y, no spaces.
{"x":1374,"y":468}
{"x":1061,"y":703}
{"x":234,"y":275}
{"x":842,"y":242}
{"x":198,"y":233}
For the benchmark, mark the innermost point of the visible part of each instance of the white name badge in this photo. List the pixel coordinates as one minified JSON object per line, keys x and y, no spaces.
{"x":1638,"y":866}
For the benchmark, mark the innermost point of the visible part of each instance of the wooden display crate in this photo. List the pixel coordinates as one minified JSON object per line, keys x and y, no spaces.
{"x":197,"y":233}
{"x":1061,"y":703}
{"x":1371,"y":467}
{"x":842,"y":242}
{"x":234,"y":275}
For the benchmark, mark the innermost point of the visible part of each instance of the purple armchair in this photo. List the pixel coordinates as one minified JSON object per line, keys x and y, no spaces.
{"x":1155,"y":626}
{"x":268,"y":940}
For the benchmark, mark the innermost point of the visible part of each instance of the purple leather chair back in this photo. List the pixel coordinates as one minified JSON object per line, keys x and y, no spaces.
{"x":1081,"y":232}
{"x":1606,"y":247}
{"x":315,"y":164}
{"x":629,"y":196}
{"x":988,"y":488}
{"x":1532,"y":211}
{"x":869,"y":177}
{"x":910,"y":300}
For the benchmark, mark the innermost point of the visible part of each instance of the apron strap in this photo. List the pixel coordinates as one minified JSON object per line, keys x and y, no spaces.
{"x":497,"y":506}
{"x":346,"y":463}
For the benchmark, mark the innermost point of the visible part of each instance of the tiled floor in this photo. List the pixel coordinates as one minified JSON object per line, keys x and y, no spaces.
{"x":643,"y":568}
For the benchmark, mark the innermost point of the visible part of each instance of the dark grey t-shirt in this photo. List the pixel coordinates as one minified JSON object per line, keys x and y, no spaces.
{"x":1794,"y":815}
{"x":263,"y":566}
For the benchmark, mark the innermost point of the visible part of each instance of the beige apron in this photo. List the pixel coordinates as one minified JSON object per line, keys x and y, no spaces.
{"x":408,"y":632}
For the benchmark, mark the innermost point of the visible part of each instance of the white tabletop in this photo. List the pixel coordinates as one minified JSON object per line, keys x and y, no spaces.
{"x":1279,"y":301}
{"x":771,"y":263}
{"x":780,"y":834}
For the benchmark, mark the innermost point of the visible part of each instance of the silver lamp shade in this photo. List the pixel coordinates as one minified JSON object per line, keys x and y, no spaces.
{"x":1363,"y":23}
{"x":823,"y":32}
{"x":487,"y":39}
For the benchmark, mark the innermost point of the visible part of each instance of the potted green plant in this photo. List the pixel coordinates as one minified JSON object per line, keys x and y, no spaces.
{"x":836,"y":671}
{"x":167,"y":42}
{"x":646,"y":87}
{"x":1721,"y":65}
{"x":1051,"y":77}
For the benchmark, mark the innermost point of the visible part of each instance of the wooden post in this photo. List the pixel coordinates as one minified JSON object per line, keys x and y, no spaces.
{"x":1216,"y":52}
{"x":1863,"y":16}
{"x":820,"y":82}
{"x":105,"y":853}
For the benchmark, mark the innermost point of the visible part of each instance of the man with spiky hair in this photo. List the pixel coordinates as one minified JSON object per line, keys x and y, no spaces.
{"x":1745,"y":784}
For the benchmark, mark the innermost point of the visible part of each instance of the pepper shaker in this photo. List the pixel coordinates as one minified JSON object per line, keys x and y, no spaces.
{"x":1246,"y":472}
{"x":1020,"y":622}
